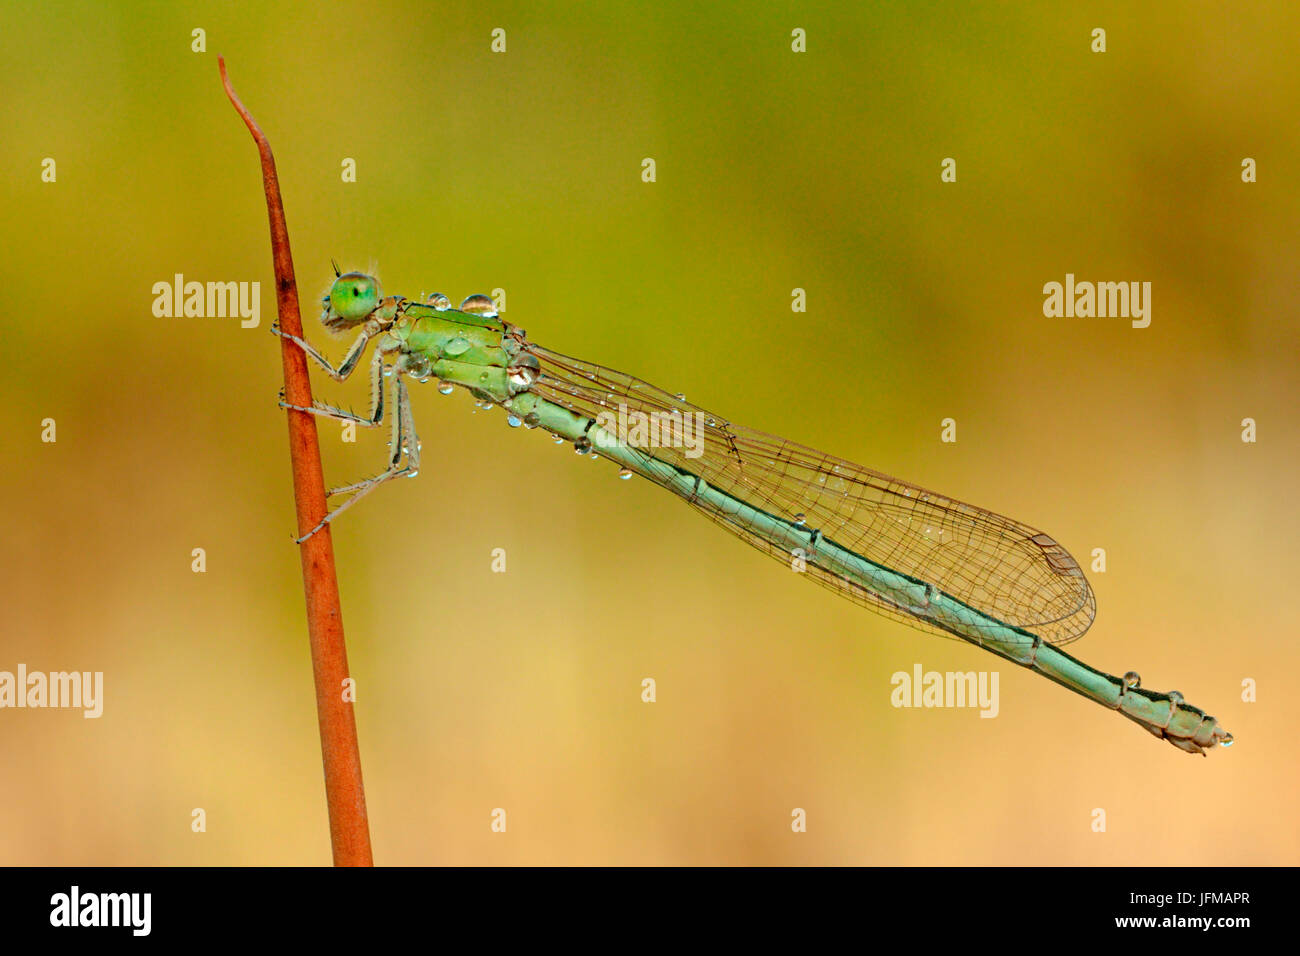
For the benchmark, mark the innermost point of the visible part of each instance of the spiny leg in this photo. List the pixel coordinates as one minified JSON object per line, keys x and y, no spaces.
{"x":396,"y":439}
{"x":404,"y":441}
{"x":412,"y":448}
{"x":338,"y":414}
{"x":403,"y":425}
{"x":349,"y":362}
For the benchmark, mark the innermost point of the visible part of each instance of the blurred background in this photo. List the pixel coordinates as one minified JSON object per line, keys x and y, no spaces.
{"x":521,"y":171}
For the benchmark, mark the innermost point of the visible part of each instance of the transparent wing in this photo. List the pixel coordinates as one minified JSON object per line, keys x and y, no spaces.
{"x":998,"y":566}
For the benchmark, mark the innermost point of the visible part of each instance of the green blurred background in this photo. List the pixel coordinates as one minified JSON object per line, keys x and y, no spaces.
{"x":521,"y":171}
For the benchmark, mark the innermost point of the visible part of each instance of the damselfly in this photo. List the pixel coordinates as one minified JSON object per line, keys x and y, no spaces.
{"x":923,"y":558}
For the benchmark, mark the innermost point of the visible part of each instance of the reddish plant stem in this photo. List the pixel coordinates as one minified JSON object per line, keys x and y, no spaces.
{"x":344,"y":793}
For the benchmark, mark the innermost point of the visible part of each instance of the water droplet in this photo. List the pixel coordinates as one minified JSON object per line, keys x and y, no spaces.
{"x":680,"y":397}
{"x":524,"y":371}
{"x":582,"y":446}
{"x":557,"y":439}
{"x":457,"y":346}
{"x":1132,"y":679}
{"x":1226,"y":740}
{"x":1175,"y":698}
{"x":532,"y":420}
{"x":625,"y":473}
{"x":513,"y":420}
{"x":446,"y":388}
{"x":439,"y":301}
{"x":799,"y":519}
{"x":388,"y":371}
{"x":479,"y":304}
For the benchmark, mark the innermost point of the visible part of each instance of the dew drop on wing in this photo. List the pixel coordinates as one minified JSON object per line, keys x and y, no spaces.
{"x":446,"y":388}
{"x":625,"y":473}
{"x":513,"y":420}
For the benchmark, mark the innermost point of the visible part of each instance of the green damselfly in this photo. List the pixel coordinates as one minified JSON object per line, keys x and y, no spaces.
{"x":923,"y":558}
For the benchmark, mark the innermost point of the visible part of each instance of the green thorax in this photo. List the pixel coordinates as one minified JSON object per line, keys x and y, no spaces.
{"x":474,"y":350}
{"x":425,"y":335}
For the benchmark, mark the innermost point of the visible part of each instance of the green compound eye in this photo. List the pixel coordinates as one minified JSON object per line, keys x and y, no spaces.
{"x":352,"y":298}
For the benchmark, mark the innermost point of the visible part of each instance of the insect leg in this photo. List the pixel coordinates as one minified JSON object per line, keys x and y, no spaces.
{"x":338,"y":414}
{"x":349,"y":362}
{"x":402,"y":422}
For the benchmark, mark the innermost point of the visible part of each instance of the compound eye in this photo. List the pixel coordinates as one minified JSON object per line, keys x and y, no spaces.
{"x":354,"y":296}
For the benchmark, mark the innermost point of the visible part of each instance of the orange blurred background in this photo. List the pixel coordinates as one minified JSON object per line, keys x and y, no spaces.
{"x":776,"y":170}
